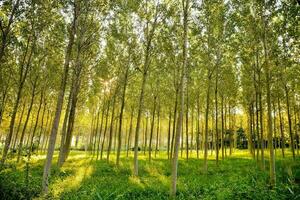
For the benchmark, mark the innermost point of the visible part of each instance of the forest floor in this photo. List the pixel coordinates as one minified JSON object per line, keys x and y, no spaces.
{"x":82,"y":177}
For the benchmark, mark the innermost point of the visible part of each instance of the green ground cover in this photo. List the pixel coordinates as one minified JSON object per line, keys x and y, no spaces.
{"x":82,"y":177}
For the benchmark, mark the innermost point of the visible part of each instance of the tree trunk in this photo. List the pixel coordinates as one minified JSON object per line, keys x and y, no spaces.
{"x":152,"y":128}
{"x":22,"y":77}
{"x":157,"y":131}
{"x":64,"y":127}
{"x":181,"y":113}
{"x":198,"y":128}
{"x":250,"y":132}
{"x":282,"y":143}
{"x":262,"y":144}
{"x":174,"y":122}
{"x":115,"y":136}
{"x":296,"y":130}
{"x":60,"y":100}
{"x":130,"y":132}
{"x":19,"y":125}
{"x":274,"y":127}
{"x":27,"y":119}
{"x":64,"y":151}
{"x":187,"y":123}
{"x":137,"y":130}
{"x":216,"y":110}
{"x":91,"y":136}
{"x":105,"y":129}
{"x":269,"y":108}
{"x":66,"y":147}
{"x":192,"y":131}
{"x":100,"y":131}
{"x":35,"y":126}
{"x":206,"y":121}
{"x":3,"y":103}
{"x":169,"y":134}
{"x":97,"y":131}
{"x":43,"y":130}
{"x":111,"y":131}
{"x":230,"y":128}
{"x":287,"y":98}
{"x":121,"y":116}
{"x":143,"y":86}
{"x":145,"y":128}
{"x":222,"y":126}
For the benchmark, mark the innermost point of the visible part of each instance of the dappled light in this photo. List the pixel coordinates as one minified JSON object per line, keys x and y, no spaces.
{"x":149,"y":99}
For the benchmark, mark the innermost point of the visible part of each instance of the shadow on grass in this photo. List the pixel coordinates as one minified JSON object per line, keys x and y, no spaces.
{"x":234,"y":178}
{"x":82,"y":177}
{"x":23,"y":180}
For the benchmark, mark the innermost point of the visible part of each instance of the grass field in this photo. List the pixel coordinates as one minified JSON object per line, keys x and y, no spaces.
{"x":82,"y":177}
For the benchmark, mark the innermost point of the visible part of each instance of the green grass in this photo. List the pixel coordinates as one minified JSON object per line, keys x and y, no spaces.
{"x":82,"y":177}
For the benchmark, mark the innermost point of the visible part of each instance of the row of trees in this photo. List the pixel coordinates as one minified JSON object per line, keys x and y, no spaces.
{"x":148,"y":75}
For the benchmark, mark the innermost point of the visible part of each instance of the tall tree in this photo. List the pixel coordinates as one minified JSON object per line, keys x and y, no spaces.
{"x":185,"y":5}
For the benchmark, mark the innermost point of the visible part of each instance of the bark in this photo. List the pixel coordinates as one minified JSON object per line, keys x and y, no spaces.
{"x":216,"y":110}
{"x":250,"y":131}
{"x":33,"y":93}
{"x":65,"y":124}
{"x":100,"y":131}
{"x":43,"y":130}
{"x":287,"y":98}
{"x":24,"y":69}
{"x":90,"y":145}
{"x":19,"y":125}
{"x":262,"y":142}
{"x":130,"y":132}
{"x":206,"y":121}
{"x":97,"y":131}
{"x":169,"y":134}
{"x":157,"y":131}
{"x":29,"y":133}
{"x":259,"y":143}
{"x":174,"y":122}
{"x":269,"y":108}
{"x":59,"y":104}
{"x":222,"y":126}
{"x":35,"y":125}
{"x":230,"y":128}
{"x":105,"y":129}
{"x":145,"y":135}
{"x":187,"y":123}
{"x":42,"y":124}
{"x":198,"y":128}
{"x":192,"y":131}
{"x":152,"y":128}
{"x":66,"y":148}
{"x":126,"y":136}
{"x":141,"y":98}
{"x":282,"y":144}
{"x":111,"y":131}
{"x":115,"y":135}
{"x":296,"y":130}
{"x":181,"y":113}
{"x":121,"y":116}
{"x":274,"y":127}
{"x":182,"y":140}
{"x":3,"y":102}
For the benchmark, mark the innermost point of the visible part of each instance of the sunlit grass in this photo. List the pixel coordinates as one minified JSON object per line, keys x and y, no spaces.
{"x":82,"y":169}
{"x":84,"y":177}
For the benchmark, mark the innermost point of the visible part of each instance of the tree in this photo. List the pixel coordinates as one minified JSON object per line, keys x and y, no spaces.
{"x":60,"y":98}
{"x":185,"y":5}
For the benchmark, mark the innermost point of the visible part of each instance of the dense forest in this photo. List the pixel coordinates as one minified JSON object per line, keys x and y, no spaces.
{"x":149,"y":99}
